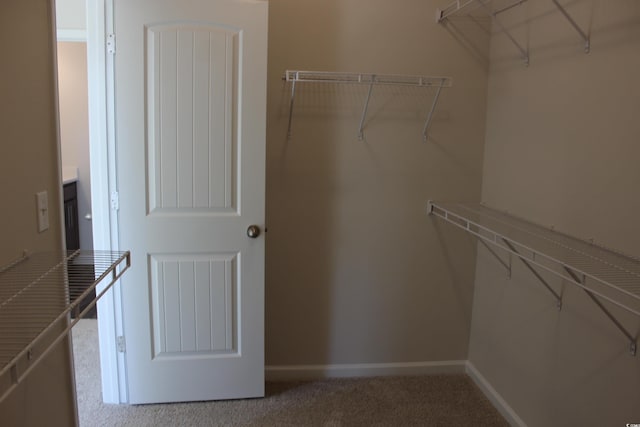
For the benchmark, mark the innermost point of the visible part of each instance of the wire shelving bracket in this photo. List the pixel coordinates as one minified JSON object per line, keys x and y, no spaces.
{"x":605,"y":275}
{"x":295,"y":77}
{"x":459,"y":6}
{"x":585,"y":36}
{"x":37,"y":297}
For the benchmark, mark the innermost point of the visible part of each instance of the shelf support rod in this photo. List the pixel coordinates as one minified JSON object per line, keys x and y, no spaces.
{"x":366,"y":107}
{"x":535,"y":273}
{"x":511,"y":6}
{"x":506,"y":265}
{"x":293,"y":96}
{"x":585,"y":37}
{"x":633,"y":346}
{"x":525,"y":53}
{"x":425,"y":130}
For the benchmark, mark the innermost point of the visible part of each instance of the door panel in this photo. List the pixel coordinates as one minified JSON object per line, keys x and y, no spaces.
{"x":194,"y":305}
{"x":192,"y":73}
{"x":190,"y":104}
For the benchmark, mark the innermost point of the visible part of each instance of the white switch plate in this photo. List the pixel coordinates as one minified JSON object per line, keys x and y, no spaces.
{"x":42,"y":204}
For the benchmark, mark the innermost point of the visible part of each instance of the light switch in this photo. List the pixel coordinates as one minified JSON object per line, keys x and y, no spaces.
{"x":42,"y":204}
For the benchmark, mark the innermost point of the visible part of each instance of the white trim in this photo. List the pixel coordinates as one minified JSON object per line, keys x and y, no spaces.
{"x":498,"y":401}
{"x":66,"y":35}
{"x":312,"y":372}
{"x":104,"y":222}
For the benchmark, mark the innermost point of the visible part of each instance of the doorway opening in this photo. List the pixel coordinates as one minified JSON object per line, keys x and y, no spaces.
{"x":73,"y":99}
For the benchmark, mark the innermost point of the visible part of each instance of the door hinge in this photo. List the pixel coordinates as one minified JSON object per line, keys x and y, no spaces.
{"x":121,"y":344}
{"x":111,"y":43}
{"x":115,"y":200}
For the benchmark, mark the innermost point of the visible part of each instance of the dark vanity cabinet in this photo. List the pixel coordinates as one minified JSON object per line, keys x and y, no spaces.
{"x":80,"y":275}
{"x":71,"y":226}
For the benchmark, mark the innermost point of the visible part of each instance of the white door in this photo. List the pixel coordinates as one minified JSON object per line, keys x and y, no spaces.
{"x":190,"y":103}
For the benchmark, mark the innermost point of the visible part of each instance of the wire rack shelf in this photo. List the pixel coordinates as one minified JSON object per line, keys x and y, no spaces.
{"x":42,"y":296}
{"x":493,"y":8}
{"x":602,"y":273}
{"x":295,"y":77}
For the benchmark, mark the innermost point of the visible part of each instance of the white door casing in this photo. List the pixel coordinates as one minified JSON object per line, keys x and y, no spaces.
{"x":190,"y":107}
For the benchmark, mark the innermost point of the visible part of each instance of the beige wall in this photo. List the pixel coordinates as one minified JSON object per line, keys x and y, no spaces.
{"x":562,"y":149}
{"x":74,"y":126}
{"x":356,"y":271}
{"x":28,"y":164}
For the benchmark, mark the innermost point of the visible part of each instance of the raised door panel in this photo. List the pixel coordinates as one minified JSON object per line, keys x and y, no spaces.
{"x":192,"y":78}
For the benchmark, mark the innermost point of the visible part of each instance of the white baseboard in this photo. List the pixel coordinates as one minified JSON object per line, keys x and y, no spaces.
{"x":500,"y":404}
{"x":314,"y":372}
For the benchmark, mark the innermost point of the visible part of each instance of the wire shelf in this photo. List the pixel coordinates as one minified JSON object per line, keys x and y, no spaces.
{"x":38,"y":293}
{"x":493,"y":8}
{"x":486,"y":7}
{"x":366,"y":78}
{"x":295,"y":77}
{"x":603,"y":272}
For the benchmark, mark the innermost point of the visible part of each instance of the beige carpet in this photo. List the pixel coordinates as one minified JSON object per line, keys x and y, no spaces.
{"x":440,"y":400}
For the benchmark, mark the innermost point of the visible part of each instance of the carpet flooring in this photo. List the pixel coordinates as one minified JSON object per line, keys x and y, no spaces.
{"x":438,"y":400}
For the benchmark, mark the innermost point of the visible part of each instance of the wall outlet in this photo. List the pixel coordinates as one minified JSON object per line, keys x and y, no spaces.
{"x":42,"y":204}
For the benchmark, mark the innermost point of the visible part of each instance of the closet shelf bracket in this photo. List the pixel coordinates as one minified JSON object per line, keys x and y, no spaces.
{"x":457,"y":6}
{"x":293,"y":97}
{"x":506,"y":265}
{"x":585,"y":36}
{"x":371,"y":80}
{"x":633,"y":344}
{"x":364,"y":112}
{"x":535,"y":273}
{"x":605,"y":275}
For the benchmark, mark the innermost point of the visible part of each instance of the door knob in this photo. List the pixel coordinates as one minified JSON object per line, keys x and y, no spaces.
{"x":253,"y":231}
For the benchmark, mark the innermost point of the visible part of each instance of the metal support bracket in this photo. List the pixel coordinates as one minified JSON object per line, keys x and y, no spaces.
{"x":633,"y":346}
{"x":510,"y":6}
{"x":506,"y":265}
{"x":425,"y":130}
{"x":467,"y":227}
{"x":535,"y":273}
{"x":459,"y":5}
{"x":524,"y":52}
{"x":366,"y":108}
{"x":293,"y":97}
{"x":585,"y":36}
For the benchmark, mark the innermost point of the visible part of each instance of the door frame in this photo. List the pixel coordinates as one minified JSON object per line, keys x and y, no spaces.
{"x":100,"y":63}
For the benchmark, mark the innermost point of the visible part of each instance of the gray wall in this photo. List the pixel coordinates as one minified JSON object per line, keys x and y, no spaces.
{"x":562,"y":149}
{"x":29,"y":157}
{"x":356,"y":270}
